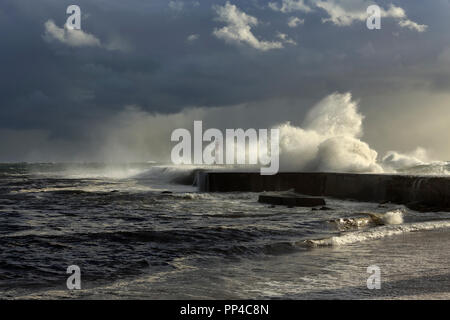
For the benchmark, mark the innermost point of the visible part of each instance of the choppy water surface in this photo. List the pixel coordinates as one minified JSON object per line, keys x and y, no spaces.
{"x":131,"y":240}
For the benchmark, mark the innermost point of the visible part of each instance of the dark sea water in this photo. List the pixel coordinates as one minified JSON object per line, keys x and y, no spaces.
{"x":132,"y":241}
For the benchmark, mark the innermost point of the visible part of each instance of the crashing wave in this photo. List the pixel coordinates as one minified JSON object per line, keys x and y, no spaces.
{"x":377,"y":233}
{"x":372,"y":219}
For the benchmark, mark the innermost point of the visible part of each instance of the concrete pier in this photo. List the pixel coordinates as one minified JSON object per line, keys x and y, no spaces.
{"x":418,"y":192}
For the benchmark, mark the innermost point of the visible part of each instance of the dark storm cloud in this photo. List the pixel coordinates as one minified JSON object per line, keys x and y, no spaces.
{"x":146,"y":59}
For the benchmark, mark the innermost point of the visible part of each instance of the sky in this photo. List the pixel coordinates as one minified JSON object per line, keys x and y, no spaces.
{"x":137,"y":69}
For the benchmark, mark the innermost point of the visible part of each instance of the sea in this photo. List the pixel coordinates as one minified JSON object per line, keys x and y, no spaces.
{"x":144,"y":231}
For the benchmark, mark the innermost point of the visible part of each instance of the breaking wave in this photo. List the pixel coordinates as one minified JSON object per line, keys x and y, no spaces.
{"x":330,"y":140}
{"x":377,"y":233}
{"x":372,"y":219}
{"x":393,"y":217}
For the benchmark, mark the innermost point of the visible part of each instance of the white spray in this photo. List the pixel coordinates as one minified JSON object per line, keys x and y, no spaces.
{"x":329,"y":139}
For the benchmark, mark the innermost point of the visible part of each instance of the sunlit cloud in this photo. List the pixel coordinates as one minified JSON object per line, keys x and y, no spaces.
{"x":238,"y":28}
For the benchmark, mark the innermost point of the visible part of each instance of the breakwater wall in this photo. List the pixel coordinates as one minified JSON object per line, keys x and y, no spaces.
{"x":415,"y":191}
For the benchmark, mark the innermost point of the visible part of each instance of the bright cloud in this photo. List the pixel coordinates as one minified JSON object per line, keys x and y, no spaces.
{"x":192,"y":37}
{"x":284,"y":38}
{"x":290,"y":6}
{"x":238,"y":28}
{"x":344,"y":12}
{"x":73,"y":38}
{"x":295,"y":21}
{"x":413,"y":25}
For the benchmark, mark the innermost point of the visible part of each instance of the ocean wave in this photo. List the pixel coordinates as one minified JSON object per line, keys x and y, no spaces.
{"x":377,"y":233}
{"x":193,"y":196}
{"x":372,"y":219}
{"x":429,"y":169}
